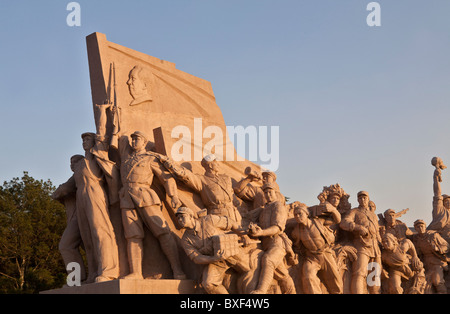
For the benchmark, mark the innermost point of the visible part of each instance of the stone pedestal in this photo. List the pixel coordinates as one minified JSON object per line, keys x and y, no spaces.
{"x":132,"y":286}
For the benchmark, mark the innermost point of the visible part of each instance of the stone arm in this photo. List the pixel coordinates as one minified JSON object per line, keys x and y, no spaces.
{"x":168,"y":182}
{"x":439,"y":244}
{"x":65,"y":189}
{"x":440,"y":216}
{"x":226,"y":224}
{"x":121,"y":148}
{"x":408,"y":247}
{"x":101,"y":119}
{"x":348,"y":224}
{"x":244,"y":190}
{"x":206,"y":259}
{"x":100,"y":151}
{"x":236,"y":228}
{"x":334,"y":217}
{"x":101,"y":140}
{"x":437,"y":198}
{"x":296,"y":239}
{"x":197,"y":256}
{"x":408,"y":233}
{"x":278,"y":224}
{"x":185,"y":175}
{"x":437,"y":179}
{"x":257,"y":231}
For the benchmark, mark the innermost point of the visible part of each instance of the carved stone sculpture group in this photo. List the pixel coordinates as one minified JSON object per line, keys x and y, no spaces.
{"x":266,"y":246}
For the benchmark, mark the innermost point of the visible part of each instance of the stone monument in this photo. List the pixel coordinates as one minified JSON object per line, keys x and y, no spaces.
{"x":161,"y":203}
{"x":134,"y":93}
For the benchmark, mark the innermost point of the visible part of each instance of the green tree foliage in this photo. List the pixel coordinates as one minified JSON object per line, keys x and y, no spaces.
{"x":31,"y":225}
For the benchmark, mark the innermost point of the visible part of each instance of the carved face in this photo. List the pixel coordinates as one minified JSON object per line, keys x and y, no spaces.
{"x":136,"y":85}
{"x":186,"y":221}
{"x":420,"y":228}
{"x":447,"y":202}
{"x":334,"y":200}
{"x":138,"y":143}
{"x":214,"y":166}
{"x":388,"y":243}
{"x":300,"y":216}
{"x":267,"y":178}
{"x":390,"y":218}
{"x":72,"y":165}
{"x":88,"y":142}
{"x":73,"y":162}
{"x":271,"y":195}
{"x":363,"y":201}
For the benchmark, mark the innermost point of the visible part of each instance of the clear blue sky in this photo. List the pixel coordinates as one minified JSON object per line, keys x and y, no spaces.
{"x":366,"y":107}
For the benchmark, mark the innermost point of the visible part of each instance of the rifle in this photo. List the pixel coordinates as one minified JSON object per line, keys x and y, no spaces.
{"x":396,"y":215}
{"x":401,"y":213}
{"x":115,"y":108}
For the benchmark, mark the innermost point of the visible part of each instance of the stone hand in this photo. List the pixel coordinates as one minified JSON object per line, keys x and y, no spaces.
{"x":255,"y":230}
{"x":105,"y":105}
{"x":361,"y":230}
{"x":220,"y":255}
{"x":175,"y":202}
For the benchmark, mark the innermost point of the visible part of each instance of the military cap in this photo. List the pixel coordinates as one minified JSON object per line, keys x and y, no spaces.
{"x":185,"y":211}
{"x":207,"y":159}
{"x":363,"y":193}
{"x":419,"y":221}
{"x":270,"y":173}
{"x":88,"y":134}
{"x":140,"y":134}
{"x":268,"y":186}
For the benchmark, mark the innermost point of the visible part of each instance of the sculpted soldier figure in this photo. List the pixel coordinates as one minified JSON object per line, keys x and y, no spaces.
{"x":390,"y":224}
{"x":215,"y":189}
{"x":329,"y":197}
{"x":201,"y":242}
{"x":275,"y":243}
{"x":245,"y":190}
{"x":372,"y":206}
{"x":432,"y":250}
{"x":96,"y":183}
{"x":441,"y":203}
{"x":400,"y":260}
{"x":92,"y":206}
{"x":317,"y":241}
{"x":141,"y":205}
{"x":363,"y":223}
{"x":71,"y":239}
